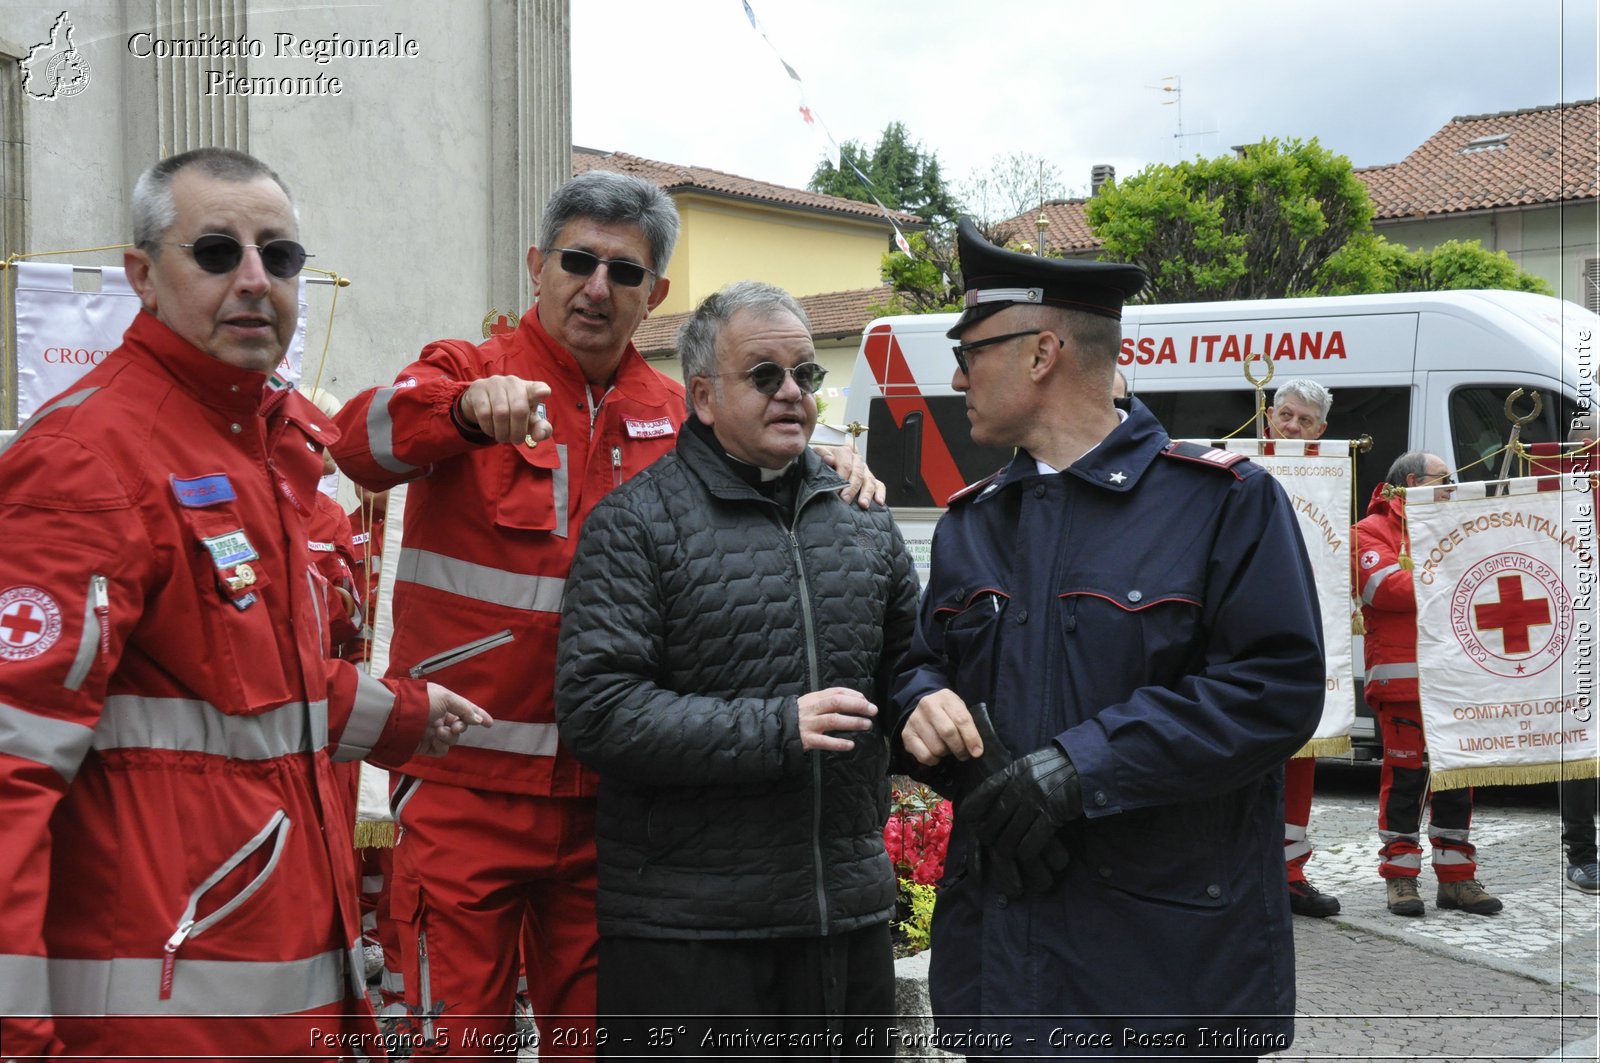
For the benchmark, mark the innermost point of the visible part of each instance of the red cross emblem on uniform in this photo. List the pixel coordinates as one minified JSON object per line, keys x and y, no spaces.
{"x":30,"y":623}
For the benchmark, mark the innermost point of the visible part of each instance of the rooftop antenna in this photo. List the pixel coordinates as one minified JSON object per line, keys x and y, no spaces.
{"x":1173,"y":84}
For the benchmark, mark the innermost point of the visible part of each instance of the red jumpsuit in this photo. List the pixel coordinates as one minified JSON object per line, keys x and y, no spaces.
{"x":497,"y":837}
{"x":1389,"y":607}
{"x":168,"y":723}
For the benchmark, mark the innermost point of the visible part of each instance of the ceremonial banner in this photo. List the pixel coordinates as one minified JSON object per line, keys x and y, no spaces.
{"x":374,"y":822}
{"x":62,"y":333}
{"x":1506,"y":631}
{"x":1316,"y":476}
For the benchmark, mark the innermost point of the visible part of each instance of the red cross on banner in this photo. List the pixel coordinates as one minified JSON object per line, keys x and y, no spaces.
{"x":1513,"y":616}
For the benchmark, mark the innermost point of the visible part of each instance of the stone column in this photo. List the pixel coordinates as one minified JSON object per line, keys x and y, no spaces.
{"x":186,"y":117}
{"x":531,"y":130}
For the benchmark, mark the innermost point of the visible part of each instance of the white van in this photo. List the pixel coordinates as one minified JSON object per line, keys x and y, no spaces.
{"x":1428,"y":369}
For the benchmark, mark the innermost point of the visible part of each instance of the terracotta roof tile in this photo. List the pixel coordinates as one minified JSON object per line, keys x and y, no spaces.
{"x":1068,"y":231}
{"x":1480,"y":162}
{"x":674,"y":178}
{"x":833,"y":315}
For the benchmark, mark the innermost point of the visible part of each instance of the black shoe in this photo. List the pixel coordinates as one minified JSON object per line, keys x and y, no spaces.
{"x":1306,"y":899}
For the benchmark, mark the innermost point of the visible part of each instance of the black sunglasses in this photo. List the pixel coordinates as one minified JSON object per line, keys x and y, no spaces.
{"x":961,"y":350}
{"x":220,"y":253}
{"x":767,"y":377}
{"x":582,"y":263}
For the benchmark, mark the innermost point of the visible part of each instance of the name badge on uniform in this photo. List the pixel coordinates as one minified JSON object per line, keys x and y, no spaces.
{"x":230,"y":548}
{"x":648,"y":429}
{"x":317,"y":547}
{"x":203,"y":491}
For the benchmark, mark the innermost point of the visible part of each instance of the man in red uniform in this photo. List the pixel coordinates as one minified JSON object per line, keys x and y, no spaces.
{"x":1379,"y":556}
{"x":174,"y":878}
{"x":1300,"y":411}
{"x":498,"y":839}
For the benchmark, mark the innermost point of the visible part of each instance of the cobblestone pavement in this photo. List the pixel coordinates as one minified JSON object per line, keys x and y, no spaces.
{"x":1520,"y":985}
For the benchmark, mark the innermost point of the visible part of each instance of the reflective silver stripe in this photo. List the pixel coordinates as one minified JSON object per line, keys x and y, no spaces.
{"x":528,"y":739}
{"x":369,"y":921}
{"x":24,"y":985}
{"x":1388,"y":836}
{"x":1294,"y":832}
{"x":62,"y":403}
{"x":403,"y":792}
{"x":1459,"y":835}
{"x":181,"y":724}
{"x":1379,"y":673}
{"x":1413,"y":860}
{"x":371,"y":883}
{"x":277,"y":828}
{"x":514,"y":590}
{"x":88,"y":642}
{"x":317,"y":603}
{"x":1450,"y":856}
{"x":559,"y":482}
{"x":57,"y":744}
{"x":1296,"y":851}
{"x":368,"y":717}
{"x":380,"y":433}
{"x":127,"y":986}
{"x":1370,"y":588}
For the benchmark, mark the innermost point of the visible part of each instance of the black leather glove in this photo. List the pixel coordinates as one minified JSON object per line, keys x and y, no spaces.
{"x":1018,"y":813}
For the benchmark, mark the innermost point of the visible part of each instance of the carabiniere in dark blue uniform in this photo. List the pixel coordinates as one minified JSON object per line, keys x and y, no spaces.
{"x":1150,"y":612}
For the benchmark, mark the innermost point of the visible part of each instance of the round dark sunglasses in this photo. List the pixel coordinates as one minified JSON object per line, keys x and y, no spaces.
{"x":220,"y":253}
{"x":767,"y":377}
{"x":620,"y":270}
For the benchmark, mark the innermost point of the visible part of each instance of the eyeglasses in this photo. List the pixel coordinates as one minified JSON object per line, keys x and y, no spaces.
{"x":962,"y":350}
{"x":767,"y":377}
{"x":582,"y":263}
{"x":220,"y":253}
{"x":1444,"y":480}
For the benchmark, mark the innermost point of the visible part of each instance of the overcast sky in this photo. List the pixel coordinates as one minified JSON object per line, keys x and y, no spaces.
{"x":1077,"y":82}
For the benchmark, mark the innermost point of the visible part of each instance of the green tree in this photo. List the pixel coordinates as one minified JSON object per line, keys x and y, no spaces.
{"x":1373,"y":264}
{"x":1257,"y":225}
{"x":903,"y":176}
{"x":923,"y":282}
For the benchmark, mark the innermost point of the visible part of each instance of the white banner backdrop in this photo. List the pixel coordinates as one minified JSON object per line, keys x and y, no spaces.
{"x":374,"y":823}
{"x":1316,"y":477}
{"x":1506,"y":629}
{"x":62,"y":333}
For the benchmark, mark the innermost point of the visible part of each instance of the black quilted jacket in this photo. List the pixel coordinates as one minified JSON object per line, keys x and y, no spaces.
{"x":693,"y":620}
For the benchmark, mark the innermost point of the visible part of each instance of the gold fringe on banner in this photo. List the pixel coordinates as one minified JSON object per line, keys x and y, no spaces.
{"x":1336,"y":746}
{"x":375,"y":834}
{"x":1513,"y":774}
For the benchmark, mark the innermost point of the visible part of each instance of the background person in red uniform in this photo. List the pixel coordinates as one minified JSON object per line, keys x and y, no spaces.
{"x":1389,"y":607}
{"x":499,"y":838}
{"x":175,"y":878}
{"x":1300,"y":411}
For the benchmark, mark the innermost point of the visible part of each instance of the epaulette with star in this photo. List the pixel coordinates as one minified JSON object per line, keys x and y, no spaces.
{"x":972,"y":490}
{"x":1198,"y":454}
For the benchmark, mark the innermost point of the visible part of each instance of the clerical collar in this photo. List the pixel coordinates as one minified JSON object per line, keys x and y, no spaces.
{"x":754,"y":475}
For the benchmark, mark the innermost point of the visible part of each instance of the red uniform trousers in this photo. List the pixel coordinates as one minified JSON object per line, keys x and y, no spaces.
{"x":1402,"y":783}
{"x":474,"y":870}
{"x":1299,"y":780}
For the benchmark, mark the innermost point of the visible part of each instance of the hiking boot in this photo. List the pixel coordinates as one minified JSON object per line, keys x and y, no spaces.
{"x":1468,"y":896}
{"x":1585,"y":878}
{"x":1306,"y":899}
{"x":1403,"y":897}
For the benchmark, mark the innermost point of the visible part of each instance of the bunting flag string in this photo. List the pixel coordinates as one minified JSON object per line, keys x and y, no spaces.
{"x":809,"y":115}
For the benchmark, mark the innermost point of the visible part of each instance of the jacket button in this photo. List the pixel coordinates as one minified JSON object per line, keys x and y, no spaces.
{"x":1100,"y":798}
{"x":236,"y":428}
{"x":1001,"y":901}
{"x":1134,"y":596}
{"x":1038,"y":492}
{"x":1022,"y":616}
{"x":1213,"y":891}
{"x":1105,"y":872}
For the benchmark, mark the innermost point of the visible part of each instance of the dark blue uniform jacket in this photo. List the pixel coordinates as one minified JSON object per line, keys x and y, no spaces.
{"x":1153,"y":613}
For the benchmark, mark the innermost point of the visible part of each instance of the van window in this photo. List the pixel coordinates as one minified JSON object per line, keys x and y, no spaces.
{"x":1382,"y":413}
{"x":927,"y":456}
{"x":1479,"y":428}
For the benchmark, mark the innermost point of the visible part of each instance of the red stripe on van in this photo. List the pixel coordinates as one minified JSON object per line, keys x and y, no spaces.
{"x":903,"y":396}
